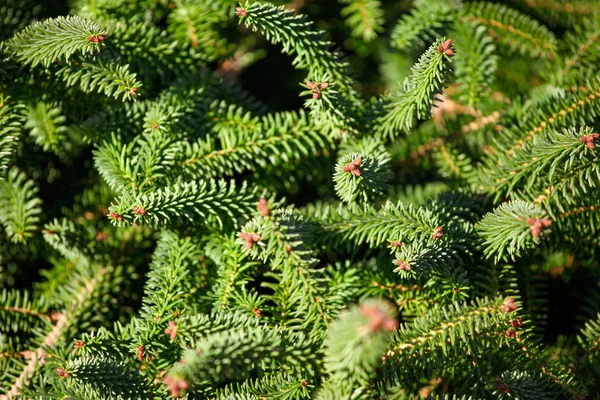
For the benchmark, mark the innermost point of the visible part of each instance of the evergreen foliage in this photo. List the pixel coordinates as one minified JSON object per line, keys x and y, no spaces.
{"x":409,"y":209}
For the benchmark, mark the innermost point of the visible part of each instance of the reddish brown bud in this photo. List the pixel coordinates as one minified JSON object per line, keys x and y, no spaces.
{"x":250,"y":238}
{"x":456,"y":290}
{"x":516,"y":323}
{"x":154,"y":126}
{"x":442,"y":48}
{"x":511,"y":333}
{"x":256,"y":312}
{"x":263,"y":207}
{"x":63,"y":372}
{"x":378,"y":319}
{"x":403,"y":265}
{"x":116,"y":216}
{"x":316,"y":95}
{"x":141,"y":352}
{"x":437,"y":233}
{"x":449,"y":52}
{"x":50,"y":232}
{"x":139,"y":210}
{"x":304,"y":383}
{"x":171,"y":331}
{"x":176,"y":385}
{"x":588,"y":140}
{"x":310,"y":84}
{"x":538,"y":225}
{"x":323,"y":85}
{"x":509,"y":305}
{"x":133,"y":91}
{"x":395,"y":243}
{"x":79,"y":344}
{"x":241,"y":12}
{"x":96,"y":39}
{"x":353,"y":167}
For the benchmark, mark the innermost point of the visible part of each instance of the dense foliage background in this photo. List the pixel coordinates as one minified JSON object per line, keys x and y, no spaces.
{"x":349,"y":199}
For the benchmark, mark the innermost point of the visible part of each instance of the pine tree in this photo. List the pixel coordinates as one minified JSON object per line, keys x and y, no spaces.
{"x":351,"y":199}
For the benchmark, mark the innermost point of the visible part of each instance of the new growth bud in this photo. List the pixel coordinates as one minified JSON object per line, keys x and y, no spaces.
{"x":353,"y":167}
{"x":249,"y":238}
{"x":446,"y":48}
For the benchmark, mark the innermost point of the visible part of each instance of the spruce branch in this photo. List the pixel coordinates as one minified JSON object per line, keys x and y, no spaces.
{"x":363,"y":17}
{"x":511,"y":228}
{"x":475,"y":63}
{"x":11,"y":119}
{"x":281,"y":238}
{"x":46,"y":124}
{"x":361,"y":177}
{"x":93,"y":377}
{"x":239,"y":353}
{"x":358,"y":339}
{"x":274,"y":140}
{"x":392,"y":222}
{"x":56,"y":39}
{"x":165,"y":289}
{"x":297,"y":36}
{"x":19,"y":206}
{"x":108,"y":78}
{"x":77,"y":300}
{"x":211,"y":200}
{"x":442,"y":331}
{"x":513,"y":30}
{"x":426,"y":22}
{"x":418,"y":92}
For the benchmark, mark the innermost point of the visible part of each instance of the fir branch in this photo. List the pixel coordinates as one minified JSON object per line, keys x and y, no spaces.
{"x":18,"y":312}
{"x":363,"y":17}
{"x":416,"y":96}
{"x":209,"y":199}
{"x":296,"y":35}
{"x":361,"y":177}
{"x":393,"y":222}
{"x":62,"y":322}
{"x":276,"y":139}
{"x":194,"y":23}
{"x":95,"y":377}
{"x":46,"y":122}
{"x":280,"y":386}
{"x":239,"y":353}
{"x":165,"y":289}
{"x":475,"y":63}
{"x":515,"y":31}
{"x":440,"y":330}
{"x":108,"y":78}
{"x":281,"y":239}
{"x":426,"y":22}
{"x":512,"y":227}
{"x":560,"y":110}
{"x":56,"y":39}
{"x":11,"y":119}
{"x":19,"y":206}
